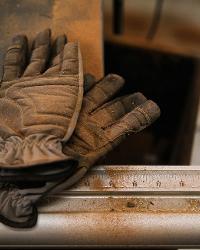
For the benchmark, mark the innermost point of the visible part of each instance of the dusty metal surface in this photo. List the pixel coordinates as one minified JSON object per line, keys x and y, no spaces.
{"x":107,"y":208}
{"x":128,"y":229}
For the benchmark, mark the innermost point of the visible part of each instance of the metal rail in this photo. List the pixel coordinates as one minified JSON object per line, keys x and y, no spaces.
{"x":140,"y":206}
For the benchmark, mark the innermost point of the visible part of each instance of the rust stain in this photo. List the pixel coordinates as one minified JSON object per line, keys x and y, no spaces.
{"x":194,"y":205}
{"x":97,"y":183}
{"x":130,"y":204}
{"x":113,"y":177}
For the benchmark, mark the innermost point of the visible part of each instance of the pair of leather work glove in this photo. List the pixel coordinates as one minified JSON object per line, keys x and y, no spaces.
{"x":50,"y":134}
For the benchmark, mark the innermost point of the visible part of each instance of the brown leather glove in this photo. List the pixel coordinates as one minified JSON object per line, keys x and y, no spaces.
{"x":39,"y":104}
{"x":104,"y":122}
{"x":40,"y":100}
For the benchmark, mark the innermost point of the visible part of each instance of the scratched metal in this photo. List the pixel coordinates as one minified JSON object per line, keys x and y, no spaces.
{"x":108,"y":208}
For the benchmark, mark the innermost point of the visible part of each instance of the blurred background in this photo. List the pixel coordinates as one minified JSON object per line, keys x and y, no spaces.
{"x":155,"y":46}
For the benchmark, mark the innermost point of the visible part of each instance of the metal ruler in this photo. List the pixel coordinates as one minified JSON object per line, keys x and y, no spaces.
{"x":156,"y":180}
{"x":133,"y":189}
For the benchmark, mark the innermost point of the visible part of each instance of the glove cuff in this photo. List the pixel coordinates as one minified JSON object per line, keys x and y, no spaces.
{"x":32,"y":150}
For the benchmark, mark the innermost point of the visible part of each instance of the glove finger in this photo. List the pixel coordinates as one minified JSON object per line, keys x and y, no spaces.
{"x":68,"y":182}
{"x":15,"y":58}
{"x":57,"y":55}
{"x":114,"y":110}
{"x":26,"y":221}
{"x":57,"y":187}
{"x":40,"y":54}
{"x":71,"y":59}
{"x":89,"y":82}
{"x":35,"y":195}
{"x":58,"y":47}
{"x":15,"y":209}
{"x":102,"y":92}
{"x":133,"y":122}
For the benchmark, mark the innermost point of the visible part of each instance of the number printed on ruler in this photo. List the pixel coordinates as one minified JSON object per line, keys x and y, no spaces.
{"x":145,"y":180}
